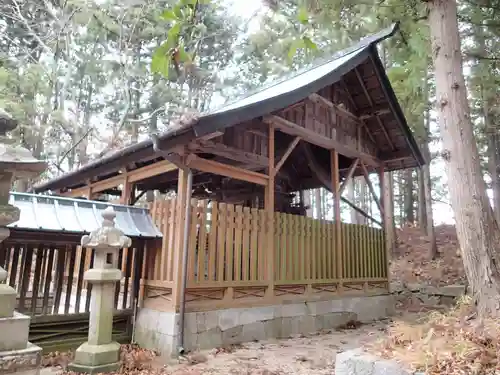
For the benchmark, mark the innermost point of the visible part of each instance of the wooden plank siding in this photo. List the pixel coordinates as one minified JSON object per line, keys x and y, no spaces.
{"x":228,"y":258}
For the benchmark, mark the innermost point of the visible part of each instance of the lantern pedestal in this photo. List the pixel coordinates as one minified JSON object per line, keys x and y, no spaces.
{"x":100,"y":354}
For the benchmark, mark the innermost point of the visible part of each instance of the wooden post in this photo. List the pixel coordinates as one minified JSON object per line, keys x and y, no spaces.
{"x":179,"y":238}
{"x":334,"y":157}
{"x":126,"y":196}
{"x":269,"y":206}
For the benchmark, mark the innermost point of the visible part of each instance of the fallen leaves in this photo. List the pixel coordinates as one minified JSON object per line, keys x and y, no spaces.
{"x":134,"y":360}
{"x":449,"y":343}
{"x":412,"y":263}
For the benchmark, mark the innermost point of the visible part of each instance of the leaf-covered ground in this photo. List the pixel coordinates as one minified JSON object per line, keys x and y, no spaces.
{"x":412,"y":263}
{"x":452,"y":343}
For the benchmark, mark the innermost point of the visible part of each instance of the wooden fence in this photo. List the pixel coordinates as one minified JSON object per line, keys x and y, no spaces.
{"x":48,"y":278}
{"x":228,"y":253}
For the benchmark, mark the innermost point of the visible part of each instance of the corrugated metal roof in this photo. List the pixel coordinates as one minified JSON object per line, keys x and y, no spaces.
{"x":60,"y":214}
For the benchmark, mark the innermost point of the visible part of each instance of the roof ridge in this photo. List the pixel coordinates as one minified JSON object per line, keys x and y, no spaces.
{"x":320,"y":61}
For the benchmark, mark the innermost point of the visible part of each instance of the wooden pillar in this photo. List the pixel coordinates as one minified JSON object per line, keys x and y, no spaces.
{"x":179,"y":238}
{"x":334,"y":158}
{"x":269,"y":206}
{"x":126,"y":197}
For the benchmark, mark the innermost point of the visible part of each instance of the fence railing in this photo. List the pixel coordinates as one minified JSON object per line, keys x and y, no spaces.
{"x":49,"y":280}
{"x":228,"y":247}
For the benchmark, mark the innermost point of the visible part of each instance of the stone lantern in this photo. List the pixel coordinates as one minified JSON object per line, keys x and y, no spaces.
{"x":101,"y":354}
{"x":16,"y":353}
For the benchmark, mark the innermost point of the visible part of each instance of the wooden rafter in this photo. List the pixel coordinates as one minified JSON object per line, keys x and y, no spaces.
{"x":394,"y":156}
{"x":214,"y":167}
{"x":220,"y":149}
{"x":292,"y":128}
{"x":370,"y":186}
{"x":287,"y":153}
{"x":349,"y":175}
{"x":368,"y":132}
{"x":370,"y":101}
{"x":375,"y":110}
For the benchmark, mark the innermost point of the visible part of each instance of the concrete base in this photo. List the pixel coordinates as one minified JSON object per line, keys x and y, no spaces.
{"x":204,"y":330}
{"x":26,"y":361}
{"x":94,"y":359}
{"x":14,"y":331}
{"x":111,"y":367}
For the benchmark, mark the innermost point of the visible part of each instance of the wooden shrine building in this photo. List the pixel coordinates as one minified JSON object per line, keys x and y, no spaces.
{"x":249,"y":241}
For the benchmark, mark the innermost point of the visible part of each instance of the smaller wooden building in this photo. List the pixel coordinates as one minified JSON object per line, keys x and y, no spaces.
{"x":249,"y":242}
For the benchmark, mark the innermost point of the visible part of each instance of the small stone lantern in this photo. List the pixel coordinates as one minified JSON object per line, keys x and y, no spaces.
{"x":101,"y":354}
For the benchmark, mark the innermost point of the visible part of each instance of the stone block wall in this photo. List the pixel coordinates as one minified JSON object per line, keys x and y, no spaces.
{"x":204,"y":330}
{"x":427,"y":294}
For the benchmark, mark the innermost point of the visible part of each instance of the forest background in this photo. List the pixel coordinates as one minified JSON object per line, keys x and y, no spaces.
{"x":81,"y":77}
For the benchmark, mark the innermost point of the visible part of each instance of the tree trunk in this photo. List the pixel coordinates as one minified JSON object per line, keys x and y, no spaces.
{"x":408,"y":197}
{"x":308,"y":203}
{"x":361,"y":199}
{"x":350,"y":197}
{"x":422,"y":206}
{"x":426,"y":175}
{"x":477,"y":229}
{"x":317,"y":198}
{"x":400,"y":181}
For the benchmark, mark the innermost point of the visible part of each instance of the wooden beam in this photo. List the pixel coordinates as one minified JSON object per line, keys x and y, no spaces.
{"x":374,"y":110}
{"x":269,"y":207}
{"x":210,"y":166}
{"x":357,"y":209}
{"x":291,"y":128}
{"x":370,"y":186}
{"x":341,"y":111}
{"x":136,"y":175}
{"x":350,"y":173}
{"x":370,"y":101}
{"x":228,"y":152}
{"x":356,"y":109}
{"x":395,"y":155}
{"x":155,"y":169}
{"x":287,"y":153}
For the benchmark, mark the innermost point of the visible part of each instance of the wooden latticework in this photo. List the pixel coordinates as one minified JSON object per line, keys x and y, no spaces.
{"x":48,"y":277}
{"x":228,"y":256}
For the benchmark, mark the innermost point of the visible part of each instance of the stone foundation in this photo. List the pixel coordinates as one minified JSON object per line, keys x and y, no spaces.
{"x":428,"y":295}
{"x":21,"y":362}
{"x":204,"y":330}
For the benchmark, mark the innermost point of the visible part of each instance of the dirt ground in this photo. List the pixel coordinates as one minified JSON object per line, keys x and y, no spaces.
{"x":312,"y":354}
{"x":301,"y":355}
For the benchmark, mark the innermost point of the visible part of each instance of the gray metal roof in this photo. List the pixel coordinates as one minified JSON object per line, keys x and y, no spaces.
{"x":59,"y":214}
{"x":288,"y":84}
